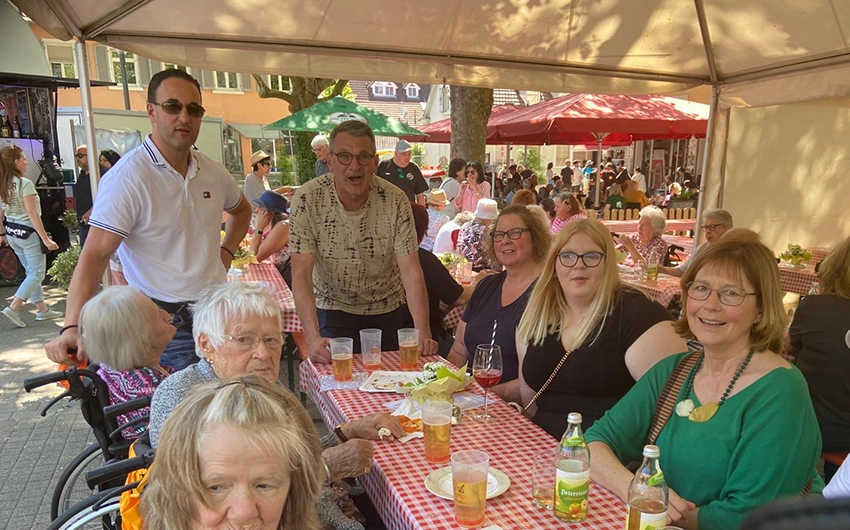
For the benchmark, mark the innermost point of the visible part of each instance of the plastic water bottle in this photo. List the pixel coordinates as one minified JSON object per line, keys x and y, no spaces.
{"x":815,"y":289}
{"x":648,"y":494}
{"x":572,"y":473}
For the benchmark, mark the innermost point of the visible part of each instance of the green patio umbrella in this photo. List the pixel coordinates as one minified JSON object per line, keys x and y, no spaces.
{"x":324,"y":116}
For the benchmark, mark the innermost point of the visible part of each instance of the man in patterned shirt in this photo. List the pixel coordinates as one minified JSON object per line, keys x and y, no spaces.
{"x":354,"y":251}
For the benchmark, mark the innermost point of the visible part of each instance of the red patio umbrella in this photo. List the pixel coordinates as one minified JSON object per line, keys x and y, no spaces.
{"x":440,"y":132}
{"x":578,"y":118}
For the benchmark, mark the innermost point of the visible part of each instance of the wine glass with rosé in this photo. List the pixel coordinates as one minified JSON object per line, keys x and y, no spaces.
{"x":487,"y":371}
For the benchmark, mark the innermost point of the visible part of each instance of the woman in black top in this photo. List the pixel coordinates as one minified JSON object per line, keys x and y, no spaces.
{"x":440,"y":285}
{"x":817,"y":335}
{"x":519,"y":243}
{"x":616,"y":333}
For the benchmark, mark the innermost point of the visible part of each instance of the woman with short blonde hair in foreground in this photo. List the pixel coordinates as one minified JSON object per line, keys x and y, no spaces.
{"x":242,"y":453}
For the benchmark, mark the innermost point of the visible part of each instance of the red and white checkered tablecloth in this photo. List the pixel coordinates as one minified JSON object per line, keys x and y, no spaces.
{"x":268,"y":273}
{"x":664,"y":289}
{"x":452,"y":318}
{"x":673,"y":225}
{"x":819,"y":253}
{"x":396,"y":484}
{"x":797,"y":280}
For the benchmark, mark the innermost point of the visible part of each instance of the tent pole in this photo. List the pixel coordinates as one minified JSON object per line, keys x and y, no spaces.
{"x":670,"y":160}
{"x":81,"y":53}
{"x":598,"y":168}
{"x":649,"y":169}
{"x":707,"y":154}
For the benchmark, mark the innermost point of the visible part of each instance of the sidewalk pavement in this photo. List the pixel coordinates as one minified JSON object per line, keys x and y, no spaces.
{"x":34,"y":450}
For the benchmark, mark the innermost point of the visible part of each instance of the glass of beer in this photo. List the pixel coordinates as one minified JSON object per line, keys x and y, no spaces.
{"x":469,"y":486}
{"x":408,"y":348}
{"x":370,"y":345}
{"x":341,"y":358}
{"x":543,"y":480}
{"x":437,"y":428}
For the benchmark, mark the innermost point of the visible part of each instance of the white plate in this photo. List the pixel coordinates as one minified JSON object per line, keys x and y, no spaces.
{"x":382,"y":381}
{"x":439,"y":483}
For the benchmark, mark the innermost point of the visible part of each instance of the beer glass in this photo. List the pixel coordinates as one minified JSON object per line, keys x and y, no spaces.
{"x":341,"y":358}
{"x":543,"y":480}
{"x":370,"y":345}
{"x":408,"y":348}
{"x":437,"y":428}
{"x":469,"y":486}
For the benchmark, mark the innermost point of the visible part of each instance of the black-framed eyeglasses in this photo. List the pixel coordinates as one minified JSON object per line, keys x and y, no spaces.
{"x":81,"y":155}
{"x":346,"y":158}
{"x":513,"y":234}
{"x":195,"y":110}
{"x":711,"y":228}
{"x":727,"y":295}
{"x":590,"y":259}
{"x":249,"y":341}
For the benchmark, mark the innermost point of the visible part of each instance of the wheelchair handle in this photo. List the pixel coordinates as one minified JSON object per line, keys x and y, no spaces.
{"x":118,"y":469}
{"x":31,"y":383}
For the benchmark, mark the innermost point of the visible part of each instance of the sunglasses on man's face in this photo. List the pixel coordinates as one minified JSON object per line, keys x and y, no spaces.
{"x":195,"y":110}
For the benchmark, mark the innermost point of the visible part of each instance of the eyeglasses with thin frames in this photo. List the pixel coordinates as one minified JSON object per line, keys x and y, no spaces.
{"x":249,"y":341}
{"x":195,"y":110}
{"x":590,"y":259}
{"x":727,"y":295}
{"x":711,"y":228}
{"x":346,"y":158}
{"x":513,"y":234}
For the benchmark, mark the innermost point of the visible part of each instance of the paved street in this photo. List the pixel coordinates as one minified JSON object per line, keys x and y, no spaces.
{"x":33,"y":449}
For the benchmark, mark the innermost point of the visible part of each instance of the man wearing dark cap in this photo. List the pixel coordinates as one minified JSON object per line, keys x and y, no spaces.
{"x":404,"y":173}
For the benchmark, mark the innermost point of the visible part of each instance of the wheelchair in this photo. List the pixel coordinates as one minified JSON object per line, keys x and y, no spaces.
{"x":85,"y":386}
{"x":102,"y":510}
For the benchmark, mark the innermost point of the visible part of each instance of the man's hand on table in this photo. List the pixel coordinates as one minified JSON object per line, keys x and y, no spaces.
{"x":319,"y":350}
{"x":367,"y":427}
{"x":428,"y":346}
{"x":350,"y":459}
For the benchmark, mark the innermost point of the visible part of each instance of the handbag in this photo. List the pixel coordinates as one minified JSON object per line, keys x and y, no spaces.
{"x":21,"y":231}
{"x":666,"y":404}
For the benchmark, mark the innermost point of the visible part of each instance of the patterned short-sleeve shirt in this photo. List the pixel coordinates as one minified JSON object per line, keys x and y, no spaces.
{"x":356,"y":269}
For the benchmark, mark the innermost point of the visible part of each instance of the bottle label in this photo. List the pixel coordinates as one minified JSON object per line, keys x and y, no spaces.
{"x":648,"y":521}
{"x":571,"y":493}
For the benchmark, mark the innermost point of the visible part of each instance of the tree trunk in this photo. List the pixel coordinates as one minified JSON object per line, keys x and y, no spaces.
{"x":471,"y":108}
{"x":306,"y":159}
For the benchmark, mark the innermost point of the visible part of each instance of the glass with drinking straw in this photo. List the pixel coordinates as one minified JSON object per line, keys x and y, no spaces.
{"x":487,"y":371}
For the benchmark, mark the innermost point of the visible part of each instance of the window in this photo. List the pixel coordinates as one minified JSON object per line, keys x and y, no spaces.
{"x":173,"y":66}
{"x":412,"y":91}
{"x":383,"y":89}
{"x":445,"y":100}
{"x":61,"y":59}
{"x":228,"y":81}
{"x":279,"y":82}
{"x":130,"y":63}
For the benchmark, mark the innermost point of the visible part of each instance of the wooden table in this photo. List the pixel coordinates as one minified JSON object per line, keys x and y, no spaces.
{"x":396,"y":484}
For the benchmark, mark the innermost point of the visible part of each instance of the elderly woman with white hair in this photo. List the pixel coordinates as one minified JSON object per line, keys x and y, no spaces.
{"x":321,"y":148}
{"x":237,"y":331}
{"x":647,"y":242}
{"x":716,"y":223}
{"x":125,"y":333}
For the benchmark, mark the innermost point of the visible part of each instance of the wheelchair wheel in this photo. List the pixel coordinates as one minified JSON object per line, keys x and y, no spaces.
{"x":92,"y":513}
{"x":71,"y":487}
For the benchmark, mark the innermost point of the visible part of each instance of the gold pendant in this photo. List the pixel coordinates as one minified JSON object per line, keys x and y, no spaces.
{"x":704,"y":413}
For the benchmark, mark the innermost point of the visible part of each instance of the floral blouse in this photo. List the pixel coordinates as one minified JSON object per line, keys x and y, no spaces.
{"x":656,"y":246}
{"x":471,"y":243}
{"x":436,"y":220}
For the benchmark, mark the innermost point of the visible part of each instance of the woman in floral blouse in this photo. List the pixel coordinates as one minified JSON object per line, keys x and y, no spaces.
{"x":647,"y":241}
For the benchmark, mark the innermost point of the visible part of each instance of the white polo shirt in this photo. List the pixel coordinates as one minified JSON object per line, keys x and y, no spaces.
{"x":171,"y":225}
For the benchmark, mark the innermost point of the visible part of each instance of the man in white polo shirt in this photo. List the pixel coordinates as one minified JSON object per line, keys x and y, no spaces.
{"x":161,"y":209}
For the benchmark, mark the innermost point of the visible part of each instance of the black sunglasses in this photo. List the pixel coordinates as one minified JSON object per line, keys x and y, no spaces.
{"x":195,"y":110}
{"x":81,"y":155}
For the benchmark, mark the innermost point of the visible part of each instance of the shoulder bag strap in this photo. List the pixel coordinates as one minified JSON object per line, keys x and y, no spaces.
{"x":667,"y":398}
{"x":548,"y":381}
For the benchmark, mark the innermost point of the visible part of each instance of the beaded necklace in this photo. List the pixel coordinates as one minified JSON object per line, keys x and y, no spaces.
{"x":705,"y":412}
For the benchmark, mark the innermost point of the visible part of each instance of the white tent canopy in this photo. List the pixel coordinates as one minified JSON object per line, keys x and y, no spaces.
{"x":753,"y":52}
{"x":595,"y":46}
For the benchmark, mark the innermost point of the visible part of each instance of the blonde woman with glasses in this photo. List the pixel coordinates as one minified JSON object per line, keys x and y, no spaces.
{"x":614,"y":333}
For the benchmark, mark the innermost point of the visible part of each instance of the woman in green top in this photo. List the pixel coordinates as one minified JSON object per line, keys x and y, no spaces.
{"x":744,"y":431}
{"x":615,"y":200}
